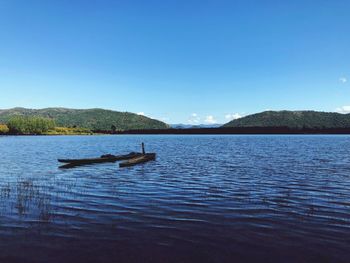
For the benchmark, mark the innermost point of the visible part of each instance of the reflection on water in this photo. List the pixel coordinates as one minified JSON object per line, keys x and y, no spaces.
{"x":205,"y":199}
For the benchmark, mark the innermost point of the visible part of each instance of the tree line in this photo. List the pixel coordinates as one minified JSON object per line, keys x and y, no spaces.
{"x":29,"y":125}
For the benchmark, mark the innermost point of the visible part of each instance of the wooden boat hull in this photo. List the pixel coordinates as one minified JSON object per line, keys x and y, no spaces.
{"x":139,"y":159}
{"x":108,"y":158}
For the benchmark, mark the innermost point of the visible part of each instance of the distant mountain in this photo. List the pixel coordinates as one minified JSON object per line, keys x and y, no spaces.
{"x":293,"y":119}
{"x":94,"y":119}
{"x":191,"y":126}
{"x":181,"y":126}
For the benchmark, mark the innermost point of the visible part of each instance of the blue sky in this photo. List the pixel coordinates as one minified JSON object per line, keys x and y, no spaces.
{"x":179,"y":61}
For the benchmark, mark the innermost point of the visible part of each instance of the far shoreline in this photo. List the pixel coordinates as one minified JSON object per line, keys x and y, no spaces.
{"x":239,"y":131}
{"x":209,"y":131}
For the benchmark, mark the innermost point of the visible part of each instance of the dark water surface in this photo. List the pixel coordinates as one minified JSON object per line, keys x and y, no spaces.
{"x":205,"y":199}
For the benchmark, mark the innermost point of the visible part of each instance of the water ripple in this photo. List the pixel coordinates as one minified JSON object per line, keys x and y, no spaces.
{"x":205,"y":199}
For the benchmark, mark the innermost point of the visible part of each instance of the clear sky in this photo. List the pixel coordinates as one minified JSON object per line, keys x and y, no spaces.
{"x":179,"y":61}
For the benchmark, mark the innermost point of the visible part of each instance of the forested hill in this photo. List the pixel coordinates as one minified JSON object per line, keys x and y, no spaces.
{"x":93,"y":119}
{"x":293,"y":119}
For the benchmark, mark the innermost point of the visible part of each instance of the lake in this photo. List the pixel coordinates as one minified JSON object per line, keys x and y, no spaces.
{"x":207,"y":198}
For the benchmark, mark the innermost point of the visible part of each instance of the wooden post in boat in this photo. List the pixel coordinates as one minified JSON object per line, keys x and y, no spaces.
{"x":143,"y":148}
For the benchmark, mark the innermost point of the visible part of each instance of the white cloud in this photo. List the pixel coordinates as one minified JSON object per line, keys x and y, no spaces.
{"x":194,"y":119}
{"x":141,"y":113}
{"x":210,"y":119}
{"x":344,"y":109}
{"x":233,"y":116}
{"x":343,"y":80}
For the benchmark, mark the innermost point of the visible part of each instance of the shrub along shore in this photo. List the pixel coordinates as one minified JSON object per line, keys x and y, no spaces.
{"x":20,"y":125}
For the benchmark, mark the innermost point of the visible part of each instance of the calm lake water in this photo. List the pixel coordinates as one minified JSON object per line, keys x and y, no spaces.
{"x":205,"y":199}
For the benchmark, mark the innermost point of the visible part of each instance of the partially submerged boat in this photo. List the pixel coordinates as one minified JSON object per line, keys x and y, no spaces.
{"x":109,"y":158}
{"x":132,"y":158}
{"x":138,"y":159}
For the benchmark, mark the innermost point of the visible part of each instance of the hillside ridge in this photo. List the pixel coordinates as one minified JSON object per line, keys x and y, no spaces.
{"x":293,"y":119}
{"x":94,"y":119}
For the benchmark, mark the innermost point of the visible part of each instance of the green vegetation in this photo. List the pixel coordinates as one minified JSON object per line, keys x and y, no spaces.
{"x":91,"y":119}
{"x":29,"y":125}
{"x":68,"y":131}
{"x":4,"y":129}
{"x":39,"y":126}
{"x":293,"y":119}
